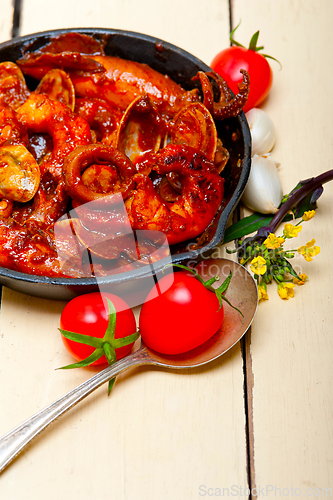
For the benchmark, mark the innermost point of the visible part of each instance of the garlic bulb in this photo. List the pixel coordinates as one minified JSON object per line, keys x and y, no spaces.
{"x":263,"y":191}
{"x":262,"y":131}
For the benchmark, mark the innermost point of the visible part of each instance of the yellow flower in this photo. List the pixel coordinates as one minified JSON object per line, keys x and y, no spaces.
{"x":262,"y":291}
{"x":291,"y":231}
{"x":302,"y":279}
{"x":308,"y":215}
{"x":258,"y":265}
{"x":286,"y":290}
{"x":309,"y":250}
{"x":273,"y":241}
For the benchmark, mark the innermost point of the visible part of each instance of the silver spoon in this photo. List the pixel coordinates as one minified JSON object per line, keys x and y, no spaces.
{"x":242,"y":293}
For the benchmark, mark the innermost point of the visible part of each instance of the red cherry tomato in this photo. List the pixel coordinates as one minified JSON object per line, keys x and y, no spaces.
{"x":88,"y":315}
{"x":228,"y":62}
{"x":182,"y":317}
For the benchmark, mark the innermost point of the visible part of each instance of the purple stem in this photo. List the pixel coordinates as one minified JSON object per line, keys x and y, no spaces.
{"x":308,"y":186}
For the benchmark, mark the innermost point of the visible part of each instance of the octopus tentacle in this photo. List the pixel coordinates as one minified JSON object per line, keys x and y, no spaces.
{"x":227,"y":106}
{"x":195,"y":207}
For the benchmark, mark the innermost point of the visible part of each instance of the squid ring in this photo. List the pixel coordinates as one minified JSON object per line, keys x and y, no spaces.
{"x":83,"y":157}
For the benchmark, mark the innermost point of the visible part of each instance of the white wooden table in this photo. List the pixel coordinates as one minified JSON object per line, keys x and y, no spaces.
{"x":261,"y":417}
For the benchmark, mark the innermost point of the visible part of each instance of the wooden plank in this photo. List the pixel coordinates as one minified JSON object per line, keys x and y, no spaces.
{"x":159,"y":435}
{"x":6,"y":20}
{"x":291,"y":346}
{"x":187,"y":24}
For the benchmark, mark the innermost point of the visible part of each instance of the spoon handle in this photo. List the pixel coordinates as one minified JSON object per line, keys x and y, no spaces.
{"x":13,"y":442}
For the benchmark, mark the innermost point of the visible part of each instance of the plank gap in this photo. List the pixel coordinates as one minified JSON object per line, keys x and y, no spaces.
{"x":16,"y":17}
{"x":248,"y":408}
{"x":230,"y":18}
{"x":247,"y":362}
{"x":248,"y":383}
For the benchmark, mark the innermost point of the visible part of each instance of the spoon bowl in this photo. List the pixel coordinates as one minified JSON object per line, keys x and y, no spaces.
{"x":242,"y":293}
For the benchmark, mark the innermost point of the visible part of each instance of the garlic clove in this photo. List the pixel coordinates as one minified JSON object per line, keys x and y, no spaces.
{"x":263,"y":191}
{"x":262,"y":130}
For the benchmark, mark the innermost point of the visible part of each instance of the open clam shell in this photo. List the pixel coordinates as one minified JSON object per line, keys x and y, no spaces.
{"x":58,"y":86}
{"x":194,"y":126}
{"x":140,"y":130}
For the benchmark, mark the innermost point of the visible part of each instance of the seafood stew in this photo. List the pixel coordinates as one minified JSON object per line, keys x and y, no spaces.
{"x":155,"y":171}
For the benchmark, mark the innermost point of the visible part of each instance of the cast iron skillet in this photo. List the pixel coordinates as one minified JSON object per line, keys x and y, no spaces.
{"x":181,"y":67}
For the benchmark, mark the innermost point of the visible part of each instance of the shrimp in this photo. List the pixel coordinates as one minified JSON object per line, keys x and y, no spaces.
{"x":11,"y":130}
{"x":67,"y":130}
{"x":193,"y":210}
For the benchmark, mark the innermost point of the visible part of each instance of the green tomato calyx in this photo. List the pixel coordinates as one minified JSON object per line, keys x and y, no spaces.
{"x":252,"y":45}
{"x":105,"y":346}
{"x":219,"y":292}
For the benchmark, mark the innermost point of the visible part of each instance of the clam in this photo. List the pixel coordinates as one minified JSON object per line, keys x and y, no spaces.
{"x":141,"y":129}
{"x":58,"y":86}
{"x":19,"y":173}
{"x":194,"y":126}
{"x":13,"y":87}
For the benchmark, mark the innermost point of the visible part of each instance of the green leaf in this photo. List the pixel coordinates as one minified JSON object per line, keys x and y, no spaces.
{"x":271,"y":57}
{"x":111,"y":384}
{"x":246,"y":226}
{"x":222,"y":288}
{"x":125,"y":340}
{"x":253,"y":42}
{"x":193,"y":271}
{"x":111,"y":328}
{"x":109,"y":352}
{"x":305,"y":205}
{"x":232,"y":41}
{"x":211,"y":281}
{"x":82,"y":339}
{"x":98,"y":353}
{"x":221,"y":296}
